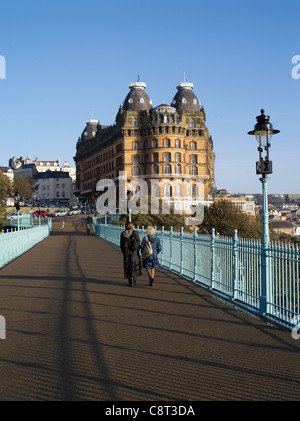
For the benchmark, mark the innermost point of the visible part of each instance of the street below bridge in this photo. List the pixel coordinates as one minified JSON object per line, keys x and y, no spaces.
{"x":75,"y":331}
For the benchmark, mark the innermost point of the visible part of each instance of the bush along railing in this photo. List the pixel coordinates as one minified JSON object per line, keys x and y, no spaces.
{"x":13,"y":244}
{"x":230,"y":266}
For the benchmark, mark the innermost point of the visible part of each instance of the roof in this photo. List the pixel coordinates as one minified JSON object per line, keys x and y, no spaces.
{"x":52,"y":174}
{"x":137,"y":99}
{"x":185,"y":99}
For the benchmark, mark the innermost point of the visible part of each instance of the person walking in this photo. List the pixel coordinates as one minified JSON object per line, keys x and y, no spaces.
{"x":62,"y":224}
{"x":130,"y":246}
{"x":151,"y":262}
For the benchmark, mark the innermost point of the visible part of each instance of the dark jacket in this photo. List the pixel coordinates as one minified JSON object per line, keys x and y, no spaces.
{"x":152,"y":261}
{"x":130,"y":245}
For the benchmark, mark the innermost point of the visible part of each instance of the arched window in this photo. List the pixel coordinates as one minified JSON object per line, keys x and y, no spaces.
{"x":166,"y":118}
{"x":167,"y":143}
{"x":193,"y":159}
{"x":177,"y":143}
{"x":193,"y":145}
{"x":155,"y":143}
{"x":167,"y":169}
{"x":135,"y":145}
{"x":194,"y":170}
{"x":167,"y":157}
{"x":167,"y":190}
{"x":178,"y":190}
{"x":178,"y":169}
{"x":155,"y":169}
{"x":177,"y":157}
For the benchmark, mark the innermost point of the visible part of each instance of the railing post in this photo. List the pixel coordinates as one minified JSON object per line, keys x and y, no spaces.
{"x":162,"y":244}
{"x":195,"y":253}
{"x":181,"y":250}
{"x":171,"y":251}
{"x":212,"y":258}
{"x":235,"y":266}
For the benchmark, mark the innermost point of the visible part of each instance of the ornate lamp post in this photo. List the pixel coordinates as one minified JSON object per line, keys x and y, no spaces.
{"x":263,"y":132}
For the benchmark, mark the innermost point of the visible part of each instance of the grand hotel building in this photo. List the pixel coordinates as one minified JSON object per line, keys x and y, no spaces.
{"x":167,"y":143}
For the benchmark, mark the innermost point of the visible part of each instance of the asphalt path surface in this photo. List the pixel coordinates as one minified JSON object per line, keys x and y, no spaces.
{"x":75,"y":331}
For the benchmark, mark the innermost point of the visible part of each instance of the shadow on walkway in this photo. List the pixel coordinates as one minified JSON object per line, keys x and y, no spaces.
{"x":75,"y":331}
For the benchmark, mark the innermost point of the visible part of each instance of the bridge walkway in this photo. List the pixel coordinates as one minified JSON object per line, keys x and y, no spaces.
{"x":76,"y":331}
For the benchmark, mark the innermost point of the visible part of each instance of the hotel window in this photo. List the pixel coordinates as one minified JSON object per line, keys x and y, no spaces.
{"x":135,"y":145}
{"x":194,"y":170}
{"x":193,"y":159}
{"x":135,"y":122}
{"x":192,"y":122}
{"x":155,"y":157}
{"x":135,"y":159}
{"x":136,"y":171}
{"x":178,"y":169}
{"x":167,"y":157}
{"x":178,"y":190}
{"x":177,"y":157}
{"x":193,"y":145}
{"x":167,"y":190}
{"x":166,"y":119}
{"x":155,"y":169}
{"x":194,"y":191}
{"x":177,"y":143}
{"x":167,"y":143}
{"x":155,"y":143}
{"x":155,"y":190}
{"x":167,"y":169}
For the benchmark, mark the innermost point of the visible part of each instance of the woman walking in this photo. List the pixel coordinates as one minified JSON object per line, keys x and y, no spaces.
{"x":151,"y":262}
{"x":130,"y":245}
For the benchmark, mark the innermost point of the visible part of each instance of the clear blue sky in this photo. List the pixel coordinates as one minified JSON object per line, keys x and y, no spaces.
{"x":66,"y":59}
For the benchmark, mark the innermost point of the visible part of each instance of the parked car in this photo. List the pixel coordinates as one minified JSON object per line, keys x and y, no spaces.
{"x":76,"y":212}
{"x":14,"y":216}
{"x":69,"y":212}
{"x":59,"y":212}
{"x":40,"y":213}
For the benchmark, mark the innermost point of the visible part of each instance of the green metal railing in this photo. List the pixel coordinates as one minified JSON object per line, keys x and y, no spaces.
{"x":230,"y":266}
{"x":13,"y":244}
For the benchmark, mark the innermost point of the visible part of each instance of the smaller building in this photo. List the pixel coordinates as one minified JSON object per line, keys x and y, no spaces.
{"x":8,"y":172}
{"x":242,"y":203}
{"x":26,"y":170}
{"x":53,"y":186}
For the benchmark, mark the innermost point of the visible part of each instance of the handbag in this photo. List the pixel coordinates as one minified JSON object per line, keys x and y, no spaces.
{"x":147,"y":250}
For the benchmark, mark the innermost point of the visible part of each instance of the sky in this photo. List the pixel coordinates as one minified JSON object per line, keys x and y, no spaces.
{"x":68,"y":61}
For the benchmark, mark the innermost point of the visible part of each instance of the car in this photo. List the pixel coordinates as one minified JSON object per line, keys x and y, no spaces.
{"x":14,"y":216}
{"x":39,"y":213}
{"x":69,"y":212}
{"x":59,"y":212}
{"x":76,"y":212}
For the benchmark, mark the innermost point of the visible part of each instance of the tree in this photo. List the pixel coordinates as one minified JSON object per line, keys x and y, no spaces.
{"x":25,"y":186}
{"x":146,"y":218}
{"x":224,"y":217}
{"x":5,"y":192}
